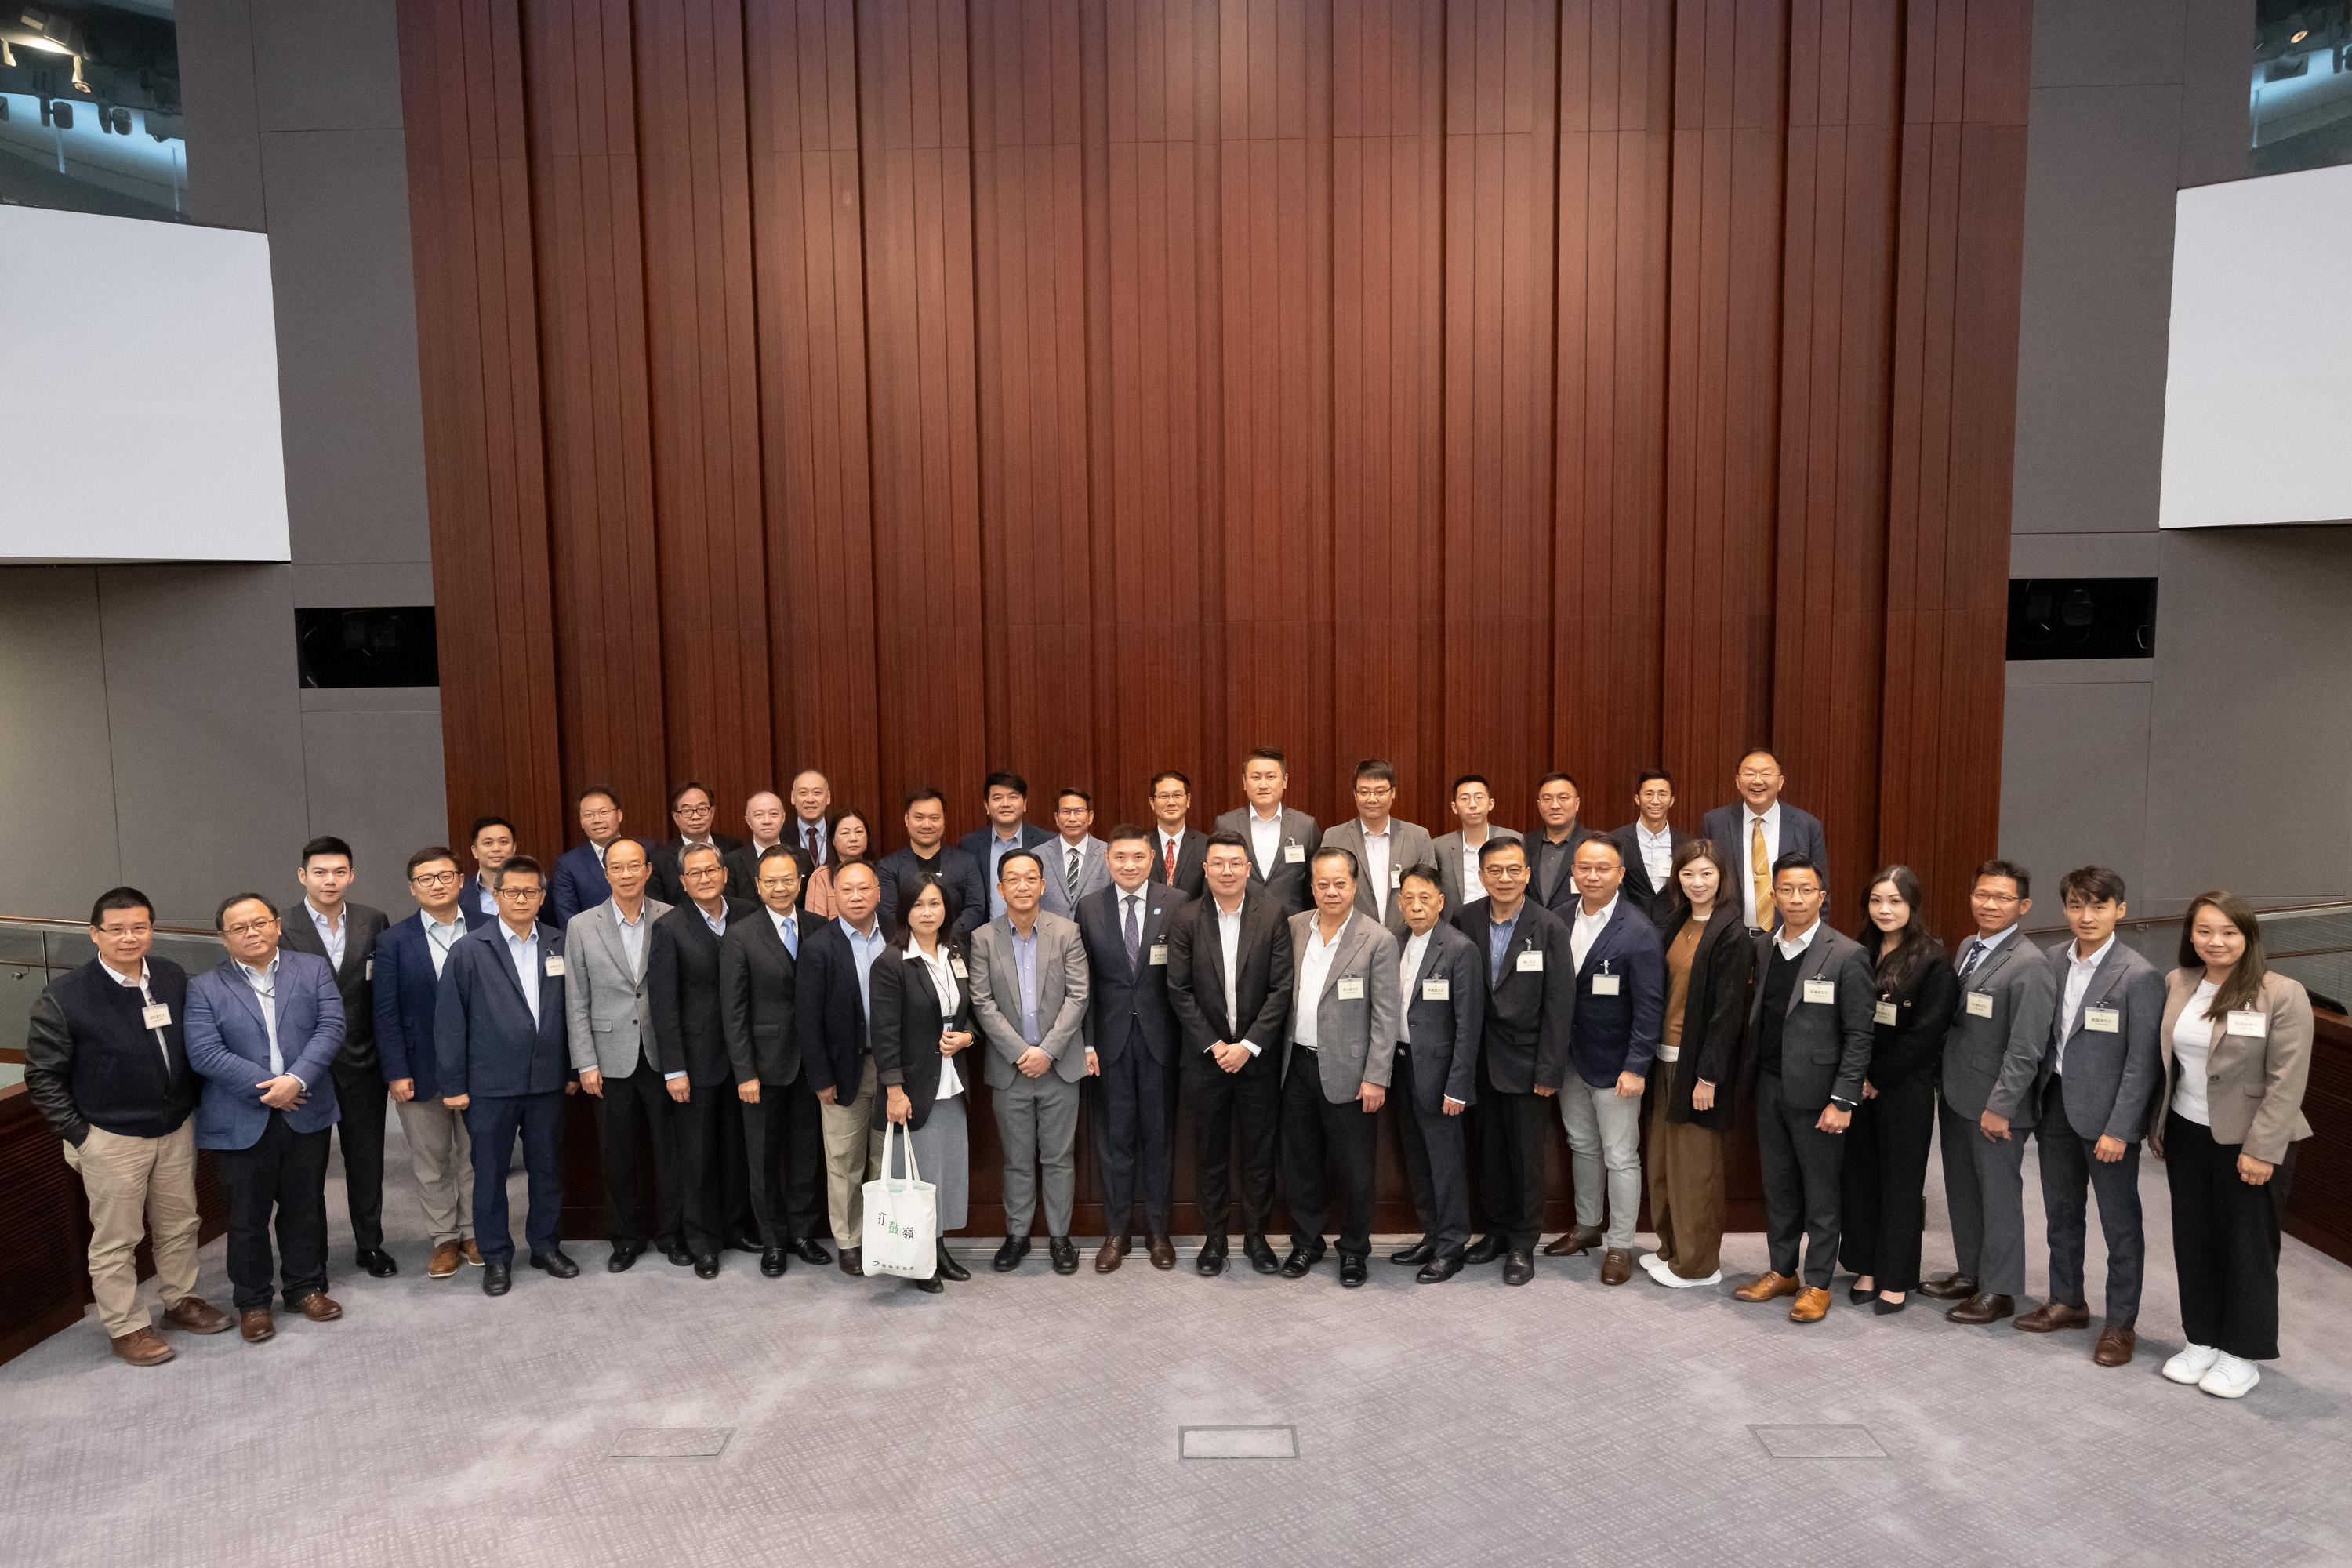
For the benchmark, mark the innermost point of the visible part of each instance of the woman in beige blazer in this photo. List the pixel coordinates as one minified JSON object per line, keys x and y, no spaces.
{"x":851,"y":840}
{"x":2237,"y":1052}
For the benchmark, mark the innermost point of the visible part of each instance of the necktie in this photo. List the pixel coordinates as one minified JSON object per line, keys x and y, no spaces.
{"x":1759,"y":873}
{"x":1168,"y":855}
{"x":813,"y":840}
{"x":1070,"y":874}
{"x":1133,"y":932}
{"x":1975,"y":955}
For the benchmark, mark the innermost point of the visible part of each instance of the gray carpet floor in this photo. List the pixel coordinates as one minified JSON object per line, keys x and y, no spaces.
{"x":1034,"y":1419}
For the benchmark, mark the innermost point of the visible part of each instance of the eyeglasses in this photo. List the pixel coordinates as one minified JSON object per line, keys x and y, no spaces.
{"x":251,"y":928}
{"x":518,"y":894}
{"x":1503,"y":873}
{"x":1988,"y":897}
{"x":432,"y":878}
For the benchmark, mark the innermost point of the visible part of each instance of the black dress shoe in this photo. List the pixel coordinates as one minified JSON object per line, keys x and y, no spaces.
{"x":1064,"y":1252}
{"x":1261,"y":1255}
{"x":808,"y":1249}
{"x":1857,"y":1295}
{"x":1414,"y":1256}
{"x":706,"y":1266}
{"x":750,"y":1244}
{"x":1887,"y":1309}
{"x":928,"y":1286}
{"x":852,"y":1262}
{"x":1351,"y":1270}
{"x":378,"y":1263}
{"x":1302,"y":1259}
{"x":1212,"y":1260}
{"x":553,"y":1261}
{"x":623,"y":1254}
{"x":1486,"y":1249}
{"x":1009,"y":1255}
{"x":949,"y":1269}
{"x":772,"y":1260}
{"x":498,"y":1278}
{"x":1438,"y":1270}
{"x":678,"y":1256}
{"x":1519,"y":1267}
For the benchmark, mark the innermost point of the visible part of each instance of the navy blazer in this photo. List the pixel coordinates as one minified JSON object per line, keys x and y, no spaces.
{"x":829,"y":1012}
{"x":1610,"y":1034}
{"x":1657,"y":902}
{"x":975,"y":844}
{"x":1442,"y":1034}
{"x":956,"y":868}
{"x":1528,"y":1011}
{"x":406,"y":990}
{"x":580,"y":882}
{"x":228,"y":1045}
{"x":470,"y":904}
{"x":1130,"y":1006}
{"x":482,"y":1028}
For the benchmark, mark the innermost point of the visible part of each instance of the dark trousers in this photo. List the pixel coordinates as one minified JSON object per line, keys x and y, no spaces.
{"x":491,"y":1123}
{"x":1801,"y":1166}
{"x":713,"y":1175}
{"x":1984,"y":1187}
{"x":1514,"y":1131}
{"x":784,"y":1152}
{"x":639,"y":1101}
{"x":2225,"y":1242}
{"x":361,"y":1094}
{"x":1883,"y":1201}
{"x":1248,"y":1103}
{"x":1135,"y":1140}
{"x":282,"y":1173}
{"x":1433,"y":1162}
{"x":2069,"y":1175}
{"x":1316,"y":1134}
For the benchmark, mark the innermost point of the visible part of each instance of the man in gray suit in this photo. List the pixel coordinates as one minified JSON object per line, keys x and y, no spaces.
{"x":1029,"y":998}
{"x":1456,"y":853}
{"x":608,"y":1022}
{"x":1344,"y":1021}
{"x":1993,"y":1064}
{"x":1279,"y":838}
{"x":1074,"y":861}
{"x":1441,"y":986}
{"x":2104,"y":1072}
{"x":1382,"y":845}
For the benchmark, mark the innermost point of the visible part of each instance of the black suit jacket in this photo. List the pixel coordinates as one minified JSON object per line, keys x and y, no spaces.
{"x":829,"y":1013}
{"x":742,"y":864}
{"x":1564,"y":895}
{"x":667,"y":857}
{"x":1130,"y":1006}
{"x":1715,"y":1019}
{"x":907,"y":1024}
{"x":354,"y":981}
{"x":1825,"y":1045}
{"x":1529,"y":1012}
{"x":1442,"y":1033}
{"x":682,"y":981}
{"x":1653,"y":900}
{"x":1191,"y":850}
{"x":1289,"y":885}
{"x":1196,"y":976}
{"x":956,"y":868}
{"x":758,"y":977}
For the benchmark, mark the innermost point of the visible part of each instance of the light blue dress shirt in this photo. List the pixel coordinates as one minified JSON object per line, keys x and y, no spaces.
{"x":524,"y":951}
{"x":265,"y":991}
{"x":633,"y":939}
{"x":1025,"y":965}
{"x":1498,"y":946}
{"x":789,"y":928}
{"x":864,"y":949}
{"x":999,"y":847}
{"x":330,"y":936}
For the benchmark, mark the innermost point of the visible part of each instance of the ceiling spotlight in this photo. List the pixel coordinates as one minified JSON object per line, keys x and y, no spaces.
{"x":80,"y":83}
{"x":2300,"y":37}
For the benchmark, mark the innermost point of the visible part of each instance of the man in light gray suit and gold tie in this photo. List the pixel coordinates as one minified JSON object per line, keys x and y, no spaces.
{"x":1075,"y":859}
{"x":1383,"y":846}
{"x":1029,"y":984}
{"x":1344,"y":1020}
{"x":608,"y":1023}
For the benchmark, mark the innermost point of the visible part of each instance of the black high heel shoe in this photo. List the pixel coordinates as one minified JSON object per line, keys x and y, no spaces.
{"x":949,"y":1269}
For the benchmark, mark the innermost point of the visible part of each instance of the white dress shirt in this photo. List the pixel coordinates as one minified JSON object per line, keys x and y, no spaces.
{"x":524,"y":952}
{"x":633,"y":938}
{"x":2192,"y":1049}
{"x":1416,"y":953}
{"x":1074,"y":861}
{"x":265,"y":991}
{"x":1657,"y":851}
{"x":1470,"y":867}
{"x":951,"y":994}
{"x":147,"y":998}
{"x":1748,"y":821}
{"x":2079,"y":970}
{"x":1587,"y":929}
{"x":1265,"y":842}
{"x":1376,"y":863}
{"x":788,"y":931}
{"x":1314,"y":968}
{"x":439,"y":939}
{"x":1794,"y":947}
{"x":331,"y":932}
{"x":1228,"y":939}
{"x":1170,"y":845}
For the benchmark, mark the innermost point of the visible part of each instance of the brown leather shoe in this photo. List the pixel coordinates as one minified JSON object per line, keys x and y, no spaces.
{"x":1767,"y":1287}
{"x":1163,"y":1252}
{"x":195,"y":1315}
{"x":1616,"y":1265}
{"x":1108,"y":1256}
{"x":142,"y":1347}
{"x":2051,"y":1316}
{"x":256,"y":1325}
{"x":1580,"y":1239}
{"x":1813,"y":1304}
{"x":470,"y":1253}
{"x":320,"y":1306}
{"x":2116,"y":1345}
{"x":1952,"y":1287}
{"x":444,"y":1262}
{"x":1981,"y":1308}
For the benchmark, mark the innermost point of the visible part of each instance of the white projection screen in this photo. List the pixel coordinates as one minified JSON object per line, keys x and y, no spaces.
{"x":2258,"y":393}
{"x":138,"y":392}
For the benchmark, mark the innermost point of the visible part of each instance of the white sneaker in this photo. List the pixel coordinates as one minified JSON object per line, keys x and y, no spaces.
{"x":2191,"y":1364}
{"x":1651,"y":1261}
{"x":1674,"y":1282}
{"x":2231,"y":1378}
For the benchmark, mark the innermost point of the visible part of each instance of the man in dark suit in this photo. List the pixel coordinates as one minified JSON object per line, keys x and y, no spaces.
{"x":580,"y":882}
{"x":690,"y":1052}
{"x":1551,"y":847}
{"x":1456,"y":853}
{"x":106,"y":1063}
{"x":1648,"y":844}
{"x":263,"y":1028}
{"x":1133,"y":1037}
{"x":927,"y":853}
{"x":1228,"y":981}
{"x":1004,"y":797}
{"x":493,"y":843}
{"x":1444,"y":985}
{"x":1279,"y":840}
{"x":326,"y":924}
{"x":811,"y":830}
{"x":1621,"y":1006}
{"x":1530,"y":1004}
{"x":783,"y":1136}
{"x":691,"y":815}
{"x":1811,"y":1027}
{"x":831,"y":1004}
{"x":500,"y":1029}
{"x":1177,"y":847}
{"x":2106,"y":1068}
{"x":1754,"y":835}
{"x":763,"y":819}
{"x":409,"y":958}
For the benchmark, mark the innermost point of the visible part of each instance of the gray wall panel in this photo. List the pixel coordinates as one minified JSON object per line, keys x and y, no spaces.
{"x":2108,"y":43}
{"x":375,"y":781}
{"x":57,"y":771}
{"x":326,"y":65}
{"x":2073,"y":781}
{"x":216,"y":91}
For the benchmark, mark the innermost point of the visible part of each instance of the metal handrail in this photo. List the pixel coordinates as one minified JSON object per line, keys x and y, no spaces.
{"x":2151,"y":922}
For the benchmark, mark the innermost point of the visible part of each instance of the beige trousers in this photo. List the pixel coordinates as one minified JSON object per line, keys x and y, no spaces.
{"x":853,"y":1156}
{"x":442,"y":1157}
{"x":137,"y":1186}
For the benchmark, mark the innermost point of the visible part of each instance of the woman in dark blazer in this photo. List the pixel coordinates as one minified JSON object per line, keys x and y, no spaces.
{"x":1883,"y":1202}
{"x":1709,"y":963}
{"x":920,"y":1022}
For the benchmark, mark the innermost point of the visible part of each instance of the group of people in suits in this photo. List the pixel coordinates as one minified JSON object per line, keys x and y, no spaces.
{"x":751,"y":1014}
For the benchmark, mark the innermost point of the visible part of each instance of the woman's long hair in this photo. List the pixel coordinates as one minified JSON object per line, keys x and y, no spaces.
{"x":1679,"y":912}
{"x":2245,"y":982}
{"x":910,"y":887}
{"x":1915,"y":945}
{"x":833,"y":826}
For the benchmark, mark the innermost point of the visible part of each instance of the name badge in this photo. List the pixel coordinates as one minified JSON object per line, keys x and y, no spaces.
{"x":1979,"y":1003}
{"x":1821,"y":991}
{"x":156,"y":1016}
{"x":555,"y":963}
{"x":367,"y":970}
{"x":2102,"y":1020}
{"x":1531,"y":961}
{"x":1294,"y":853}
{"x":1604,"y":985}
{"x":1885,"y":1012}
{"x":1437,"y":991}
{"x":1396,"y":877}
{"x":2248,"y":1021}
{"x":956,"y":968}
{"x":1159,"y":952}
{"x":1352,"y":990}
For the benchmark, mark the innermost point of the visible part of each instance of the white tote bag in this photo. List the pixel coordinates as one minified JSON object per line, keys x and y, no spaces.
{"x":902,"y":1216}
